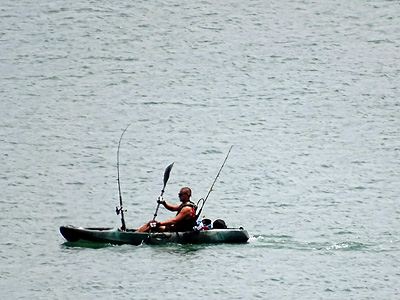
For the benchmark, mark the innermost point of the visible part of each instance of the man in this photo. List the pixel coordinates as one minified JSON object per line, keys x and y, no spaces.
{"x":185,"y":217}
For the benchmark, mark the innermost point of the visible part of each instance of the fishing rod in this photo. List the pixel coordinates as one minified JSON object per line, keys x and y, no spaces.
{"x":119,"y":209}
{"x":211,"y":188}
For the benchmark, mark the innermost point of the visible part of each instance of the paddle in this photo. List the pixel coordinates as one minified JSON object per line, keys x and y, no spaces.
{"x":166,"y":177}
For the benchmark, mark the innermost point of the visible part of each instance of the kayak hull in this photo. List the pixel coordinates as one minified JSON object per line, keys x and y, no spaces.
{"x":116,"y":237}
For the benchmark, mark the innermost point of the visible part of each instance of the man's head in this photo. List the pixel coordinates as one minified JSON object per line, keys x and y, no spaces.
{"x":184,"y":194}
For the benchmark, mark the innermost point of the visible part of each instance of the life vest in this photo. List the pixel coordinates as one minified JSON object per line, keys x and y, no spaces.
{"x":190,"y":204}
{"x":186,"y":225}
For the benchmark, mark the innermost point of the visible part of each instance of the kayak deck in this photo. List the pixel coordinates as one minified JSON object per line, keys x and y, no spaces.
{"x":114,"y":236}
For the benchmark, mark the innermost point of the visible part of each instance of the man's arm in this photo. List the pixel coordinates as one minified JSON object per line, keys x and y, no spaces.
{"x":171,"y":207}
{"x":185,"y":212}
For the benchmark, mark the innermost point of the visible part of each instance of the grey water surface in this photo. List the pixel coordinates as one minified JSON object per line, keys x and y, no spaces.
{"x":307,"y":92}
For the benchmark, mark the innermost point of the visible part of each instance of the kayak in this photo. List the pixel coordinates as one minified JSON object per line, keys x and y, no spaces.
{"x":117,"y":237}
{"x":202,"y":234}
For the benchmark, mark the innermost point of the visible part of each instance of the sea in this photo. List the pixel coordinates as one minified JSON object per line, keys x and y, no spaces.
{"x":307,"y":93}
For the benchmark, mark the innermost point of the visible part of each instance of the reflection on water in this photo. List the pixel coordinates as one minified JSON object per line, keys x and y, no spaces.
{"x":85,"y":244}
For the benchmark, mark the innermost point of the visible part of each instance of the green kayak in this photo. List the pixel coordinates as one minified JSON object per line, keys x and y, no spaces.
{"x":205,"y":234}
{"x":114,"y":236}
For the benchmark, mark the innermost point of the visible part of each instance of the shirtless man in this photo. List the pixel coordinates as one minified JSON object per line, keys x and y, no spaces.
{"x":185,"y":217}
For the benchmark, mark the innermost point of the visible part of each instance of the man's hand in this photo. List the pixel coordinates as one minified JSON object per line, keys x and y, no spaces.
{"x":154,"y":224}
{"x":161,"y":200}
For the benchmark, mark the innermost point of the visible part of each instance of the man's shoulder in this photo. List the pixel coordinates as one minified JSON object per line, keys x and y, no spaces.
{"x":187,"y":208}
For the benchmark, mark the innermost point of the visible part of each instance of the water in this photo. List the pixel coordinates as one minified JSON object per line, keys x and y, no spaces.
{"x":306,"y":91}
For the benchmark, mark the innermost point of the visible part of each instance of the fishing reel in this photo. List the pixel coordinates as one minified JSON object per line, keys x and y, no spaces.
{"x":119,"y":209}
